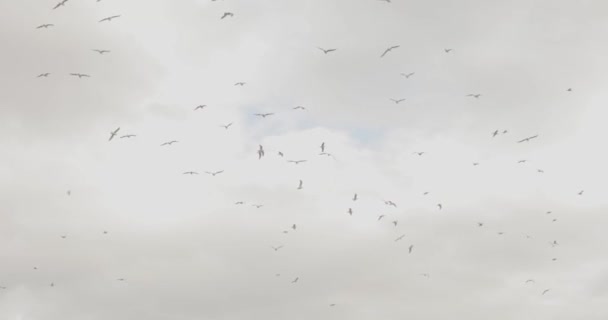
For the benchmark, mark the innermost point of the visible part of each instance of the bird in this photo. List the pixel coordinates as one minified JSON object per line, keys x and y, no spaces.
{"x":380,"y":217}
{"x":350,"y":211}
{"x":569,"y":90}
{"x":80,"y":75}
{"x":300,"y":185}
{"x":201,"y":106}
{"x":109,"y":18}
{"x":390,"y":203}
{"x":527,"y":139}
{"x":214,"y":173}
{"x":547,"y":290}
{"x":226,"y":126}
{"x":494,"y":133}
{"x":355,"y":197}
{"x":263,"y":115}
{"x":62,"y":3}
{"x":227,"y":14}
{"x":522,"y":161}
{"x":168,"y":143}
{"x":480,"y":224}
{"x":387,"y":1}
{"x":530,"y":280}
{"x":581,"y":192}
{"x":260,"y":152}
{"x":258,"y":205}
{"x":400,"y":237}
{"x":474,"y":95}
{"x":295,"y":280}
{"x":294,"y":226}
{"x":419,"y":153}
{"x":52,"y":284}
{"x":191,"y":172}
{"x":45,"y":26}
{"x":475,"y":163}
{"x":240,"y":84}
{"x":35,"y":268}
{"x":43,"y":75}
{"x":239,"y":202}
{"x":326,"y":51}
{"x":299,"y":107}
{"x":447,"y":50}
{"x":440,"y":206}
{"x":105,"y":232}
{"x":410,"y":248}
{"x":554,"y":243}
{"x":101,"y":51}
{"x":395,"y":222}
{"x":323,"y":147}
{"x":113,"y":133}
{"x":280,"y":154}
{"x":64,"y":236}
{"x":425,"y":193}
{"x":296,"y":161}
{"x":121,"y":279}
{"x":396,"y":101}
{"x":128,"y":136}
{"x":426,"y":275}
{"x":408,"y":75}
{"x":540,"y":171}
{"x":276,"y":248}
{"x":388,"y":50}
{"x":332,"y":305}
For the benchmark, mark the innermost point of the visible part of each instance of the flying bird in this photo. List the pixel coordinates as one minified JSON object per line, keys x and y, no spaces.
{"x":101,"y":51}
{"x":440,"y":206}
{"x":294,"y":226}
{"x":62,"y":3}
{"x":168,"y":143}
{"x":474,"y":95}
{"x":419,"y":153}
{"x":296,"y":161}
{"x":69,"y":192}
{"x":326,"y":51}
{"x":355,"y":197}
{"x":475,"y":163}
{"x":300,"y":185}
{"x":530,"y":280}
{"x":408,"y":75}
{"x":547,"y":290}
{"x":226,"y":126}
{"x":80,"y":75}
{"x":396,"y":101}
{"x":239,"y":202}
{"x":109,"y":18}
{"x":522,"y":161}
{"x":390,"y":203}
{"x":295,"y":280}
{"x":281,"y":154}
{"x":263,"y":115}
{"x":447,"y":50}
{"x":121,"y":279}
{"x":388,"y":50}
{"x":260,"y":152}
{"x":113,"y":133}
{"x":400,"y":237}
{"x":227,"y":14}
{"x":240,"y":84}
{"x":581,"y":192}
{"x":276,"y":248}
{"x":569,"y":90}
{"x":350,"y":211}
{"x":258,"y":205}
{"x":527,"y":139}
{"x":395,"y":222}
{"x":411,"y":248}
{"x":214,"y":173}
{"x":128,"y":136}
{"x":494,"y":133}
{"x":191,"y":172}
{"x":299,"y":107}
{"x":540,"y":171}
{"x":323,"y":147}
{"x":202,"y":106}
{"x":46,"y":25}
{"x":480,"y":224}
{"x":43,"y":75}
{"x":380,"y":217}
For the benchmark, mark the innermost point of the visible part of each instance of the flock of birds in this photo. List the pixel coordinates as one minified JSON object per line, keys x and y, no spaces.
{"x":260,"y":152}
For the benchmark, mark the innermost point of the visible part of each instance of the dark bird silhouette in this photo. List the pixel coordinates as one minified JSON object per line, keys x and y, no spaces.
{"x":281,"y":154}
{"x":380,"y":217}
{"x":299,"y":107}
{"x":475,"y":163}
{"x":569,"y":90}
{"x":214,"y":173}
{"x":547,"y":290}
{"x":168,"y":143}
{"x":411,"y":248}
{"x":540,"y":171}
{"x":494,"y":133}
{"x":260,"y":152}
{"x":226,"y":126}
{"x":80,"y":75}
{"x":480,"y":224}
{"x":109,"y":18}
{"x":527,"y":139}
{"x":263,"y":115}
{"x":350,"y":211}
{"x":326,"y":51}
{"x":62,"y":3}
{"x":581,"y":192}
{"x":191,"y":172}
{"x":202,"y":106}
{"x":239,"y":202}
{"x":522,"y":161}
{"x":447,"y":50}
{"x":258,"y":205}
{"x":390,"y":203}
{"x":474,"y":95}
{"x":300,"y":185}
{"x":43,"y":75}
{"x":395,"y":222}
{"x":276,"y":248}
{"x":121,"y":279}
{"x":408,"y":75}
{"x":530,"y":280}
{"x":45,"y":26}
{"x":64,"y":236}
{"x":294,"y":226}
{"x":227,"y":14}
{"x":419,"y":153}
{"x":101,"y":51}
{"x":323,"y":147}
{"x":240,"y":84}
{"x":69,"y":192}
{"x":440,"y":206}
{"x":296,"y":161}
{"x":113,"y":133}
{"x":396,"y":101}
{"x":389,"y":50}
{"x":400,"y":237}
{"x":128,"y":136}
{"x":355,"y":197}
{"x":295,"y":280}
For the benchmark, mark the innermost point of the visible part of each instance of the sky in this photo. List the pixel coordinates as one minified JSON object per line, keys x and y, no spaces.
{"x":92,"y":228}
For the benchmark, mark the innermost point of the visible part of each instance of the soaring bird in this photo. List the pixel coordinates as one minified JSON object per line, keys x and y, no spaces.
{"x":226,"y":126}
{"x":263,"y":115}
{"x":411,"y":248}
{"x":323,"y":147}
{"x":390,"y":203}
{"x":569,"y":90}
{"x":380,"y":217}
{"x":80,"y":75}
{"x":121,"y":279}
{"x":200,"y":106}
{"x":128,"y":136}
{"x":326,"y":51}
{"x":425,"y":193}
{"x":355,"y":197}
{"x":530,"y":280}
{"x":547,"y":290}
{"x":43,"y":75}
{"x":295,"y":280}
{"x":239,"y":202}
{"x":240,"y":84}
{"x":296,"y":161}
{"x":474,"y":95}
{"x":440,"y":206}
{"x":109,"y":18}
{"x":408,"y":75}
{"x":69,"y":192}
{"x":388,"y":50}
{"x":62,"y":3}
{"x":494,"y":133}
{"x":419,"y":153}
{"x":581,"y":192}
{"x":447,"y":50}
{"x":101,"y":51}
{"x":190,"y":172}
{"x":227,"y":14}
{"x":396,"y":101}
{"x":214,"y":173}
{"x":522,"y":161}
{"x":540,"y":171}
{"x":299,"y":107}
{"x":350,"y":211}
{"x":257,"y":205}
{"x":480,"y":224}
{"x":46,"y":25}
{"x":527,"y":139}
{"x":276,"y":248}
{"x":400,"y":237}
{"x":300,"y":185}
{"x":281,"y":154}
{"x":395,"y":222}
{"x":64,"y":236}
{"x":294,"y":226}
{"x":475,"y":163}
{"x":113,"y":133}
{"x":168,"y":143}
{"x":260,"y":152}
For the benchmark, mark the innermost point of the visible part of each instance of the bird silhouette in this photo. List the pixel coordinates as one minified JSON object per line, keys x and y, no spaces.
{"x":128,"y":136}
{"x":395,"y":222}
{"x":62,"y":3}
{"x":440,"y":206}
{"x":390,"y":203}
{"x":300,"y":185}
{"x":296,"y":161}
{"x":322,"y":147}
{"x":547,"y":290}
{"x":581,"y":192}
{"x":408,"y":75}
{"x":299,"y":107}
{"x":191,"y":172}
{"x":45,"y":26}
{"x":419,"y":153}
{"x":109,"y":18}
{"x":80,"y":75}
{"x":389,"y":49}
{"x":527,"y":139}
{"x":201,"y":106}
{"x":263,"y":115}
{"x":214,"y":173}
{"x":276,"y":248}
{"x":350,"y":211}
{"x":226,"y":126}
{"x":396,"y":101}
{"x":295,"y":280}
{"x":43,"y":75}
{"x":101,"y":51}
{"x":326,"y":51}
{"x":260,"y":152}
{"x":474,"y":95}
{"x":380,"y":217}
{"x":168,"y":143}
{"x":113,"y":133}
{"x":410,"y":248}
{"x":227,"y":14}
{"x":447,"y":50}
{"x":355,"y":197}
{"x":240,"y":84}
{"x":400,"y":237}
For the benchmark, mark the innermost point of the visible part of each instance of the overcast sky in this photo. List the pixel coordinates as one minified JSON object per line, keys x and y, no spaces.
{"x":78,"y":212}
